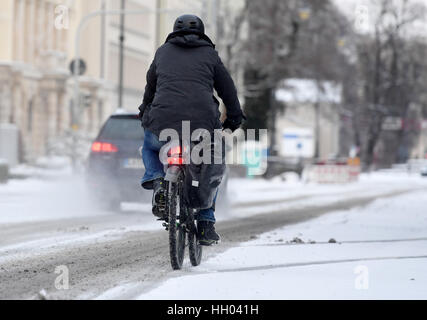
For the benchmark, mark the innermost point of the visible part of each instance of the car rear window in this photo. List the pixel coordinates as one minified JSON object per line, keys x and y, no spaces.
{"x":122,"y":128}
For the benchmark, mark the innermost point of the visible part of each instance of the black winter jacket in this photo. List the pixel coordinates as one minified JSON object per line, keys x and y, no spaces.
{"x":180,"y":85}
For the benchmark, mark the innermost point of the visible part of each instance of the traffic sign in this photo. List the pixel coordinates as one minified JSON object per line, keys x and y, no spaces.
{"x":297,"y":142}
{"x":82,"y":66}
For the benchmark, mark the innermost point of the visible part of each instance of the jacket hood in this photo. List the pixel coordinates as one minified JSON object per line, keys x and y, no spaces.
{"x":189,"y":39}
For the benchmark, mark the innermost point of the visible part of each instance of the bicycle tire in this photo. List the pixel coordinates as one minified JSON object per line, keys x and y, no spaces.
{"x":195,"y":250}
{"x":177,"y":234}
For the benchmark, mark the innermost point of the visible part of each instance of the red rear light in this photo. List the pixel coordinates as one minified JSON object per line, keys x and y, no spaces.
{"x":175,"y":155}
{"x":104,"y":147}
{"x":175,"y":161}
{"x":175,"y":151}
{"x":108,"y":147}
{"x":96,"y":147}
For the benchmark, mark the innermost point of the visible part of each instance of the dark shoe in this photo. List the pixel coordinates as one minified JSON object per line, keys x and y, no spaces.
{"x":206,"y":233}
{"x":159,"y":198}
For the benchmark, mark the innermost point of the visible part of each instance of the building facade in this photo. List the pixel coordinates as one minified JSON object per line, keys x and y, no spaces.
{"x":37,"y":44}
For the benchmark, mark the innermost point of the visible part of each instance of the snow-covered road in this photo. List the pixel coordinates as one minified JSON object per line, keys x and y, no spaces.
{"x":46,"y":224}
{"x":380,"y":253}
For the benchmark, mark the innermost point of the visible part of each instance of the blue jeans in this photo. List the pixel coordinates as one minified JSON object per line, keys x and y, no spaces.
{"x":154,"y":169}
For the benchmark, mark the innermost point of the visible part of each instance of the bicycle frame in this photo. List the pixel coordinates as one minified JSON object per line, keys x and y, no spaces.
{"x":183,"y":226}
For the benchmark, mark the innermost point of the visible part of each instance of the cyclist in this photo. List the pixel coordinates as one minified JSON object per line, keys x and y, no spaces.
{"x":180,"y":83}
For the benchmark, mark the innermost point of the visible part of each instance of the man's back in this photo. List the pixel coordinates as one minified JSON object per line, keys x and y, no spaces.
{"x":180,"y":84}
{"x":185,"y":72}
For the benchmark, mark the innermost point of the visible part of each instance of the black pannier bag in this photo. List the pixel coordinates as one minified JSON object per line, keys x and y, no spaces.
{"x":202,"y":180}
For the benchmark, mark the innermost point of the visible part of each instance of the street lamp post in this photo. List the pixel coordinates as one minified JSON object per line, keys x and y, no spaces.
{"x":76,"y":107}
{"x":103,"y":24}
{"x":82,"y":24}
{"x":122,"y":47}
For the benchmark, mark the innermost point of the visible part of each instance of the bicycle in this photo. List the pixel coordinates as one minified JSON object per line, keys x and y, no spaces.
{"x":179,"y":218}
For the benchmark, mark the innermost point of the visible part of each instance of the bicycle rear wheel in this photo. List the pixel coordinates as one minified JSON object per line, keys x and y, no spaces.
{"x":177,"y":233}
{"x":194,"y":248}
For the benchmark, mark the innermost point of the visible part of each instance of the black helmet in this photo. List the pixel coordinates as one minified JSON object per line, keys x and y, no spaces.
{"x":189,"y":22}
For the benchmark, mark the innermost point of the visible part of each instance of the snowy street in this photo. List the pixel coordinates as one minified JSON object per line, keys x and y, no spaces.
{"x":380,"y":253}
{"x":194,"y":155}
{"x":275,"y":243}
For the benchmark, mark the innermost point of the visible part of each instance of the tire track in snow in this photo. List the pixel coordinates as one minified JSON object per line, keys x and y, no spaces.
{"x":338,"y":242}
{"x":310,"y":263}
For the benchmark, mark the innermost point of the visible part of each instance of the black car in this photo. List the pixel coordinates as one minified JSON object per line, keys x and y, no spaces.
{"x":115,"y":167}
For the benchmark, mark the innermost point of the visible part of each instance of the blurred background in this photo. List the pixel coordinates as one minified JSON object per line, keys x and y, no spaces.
{"x":329,"y":79}
{"x":335,"y":88}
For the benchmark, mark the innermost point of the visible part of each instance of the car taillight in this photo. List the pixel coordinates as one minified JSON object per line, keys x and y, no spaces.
{"x":104,"y":147}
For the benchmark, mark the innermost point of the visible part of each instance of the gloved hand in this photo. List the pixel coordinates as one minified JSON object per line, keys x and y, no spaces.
{"x":143,"y":114}
{"x":234,"y":122}
{"x":141,"y":111}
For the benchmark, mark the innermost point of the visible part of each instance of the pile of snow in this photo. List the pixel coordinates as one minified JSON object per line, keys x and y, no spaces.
{"x":248,"y":197}
{"x":35,"y":199}
{"x":308,"y":90}
{"x":44,"y":168}
{"x":53,"y":162}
